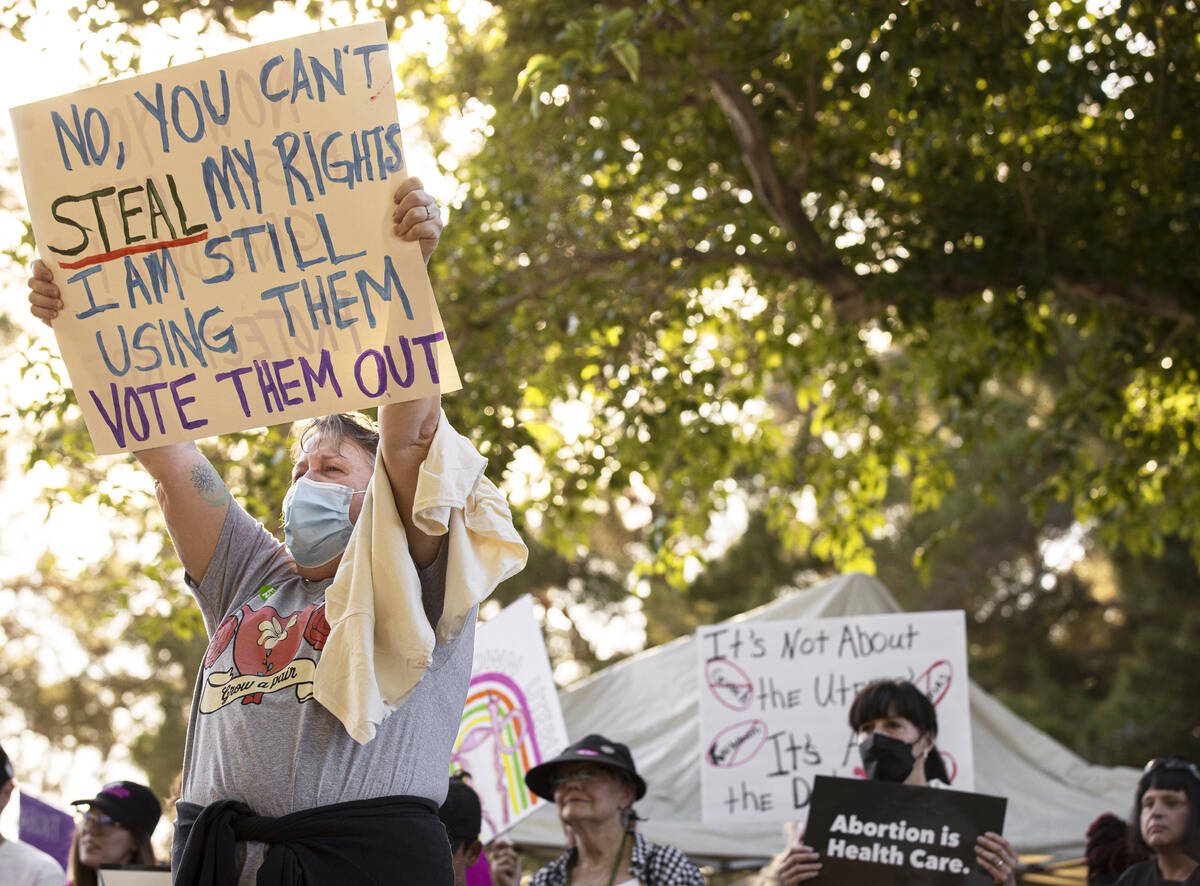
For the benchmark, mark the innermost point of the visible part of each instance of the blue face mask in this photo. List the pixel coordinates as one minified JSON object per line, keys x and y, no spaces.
{"x":316,"y":520}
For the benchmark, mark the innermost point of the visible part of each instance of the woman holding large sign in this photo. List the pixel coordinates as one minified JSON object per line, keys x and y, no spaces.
{"x":896,"y":725}
{"x":275,"y":784}
{"x":1167,"y":809}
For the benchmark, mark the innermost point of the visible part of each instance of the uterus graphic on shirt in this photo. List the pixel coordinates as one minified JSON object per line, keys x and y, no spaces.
{"x":264,"y":655}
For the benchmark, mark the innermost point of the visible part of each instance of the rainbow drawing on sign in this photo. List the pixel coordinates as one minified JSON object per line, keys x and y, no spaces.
{"x":497,"y":728}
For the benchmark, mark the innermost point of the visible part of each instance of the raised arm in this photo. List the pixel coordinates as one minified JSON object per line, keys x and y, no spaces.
{"x":406,"y":429}
{"x":193,"y":499}
{"x":405,"y":433}
{"x":192,"y":496}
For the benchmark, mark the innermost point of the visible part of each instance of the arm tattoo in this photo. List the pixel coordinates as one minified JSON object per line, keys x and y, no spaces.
{"x":208,"y":485}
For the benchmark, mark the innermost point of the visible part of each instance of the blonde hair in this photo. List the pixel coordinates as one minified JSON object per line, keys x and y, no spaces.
{"x":352,"y":426}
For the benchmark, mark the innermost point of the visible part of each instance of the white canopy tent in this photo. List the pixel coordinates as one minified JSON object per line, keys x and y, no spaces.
{"x":650,"y":702}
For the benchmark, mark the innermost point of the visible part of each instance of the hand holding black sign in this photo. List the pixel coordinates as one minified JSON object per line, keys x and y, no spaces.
{"x":899,"y":835}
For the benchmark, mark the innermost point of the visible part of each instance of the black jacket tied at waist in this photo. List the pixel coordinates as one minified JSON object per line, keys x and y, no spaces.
{"x":388,"y":840}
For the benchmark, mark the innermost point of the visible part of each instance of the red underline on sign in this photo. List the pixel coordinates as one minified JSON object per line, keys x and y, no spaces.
{"x":132,"y":250}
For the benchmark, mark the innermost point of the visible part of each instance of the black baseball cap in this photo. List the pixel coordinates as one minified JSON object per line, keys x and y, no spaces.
{"x":589,"y":749}
{"x":6,"y":769}
{"x":461,"y":813}
{"x":128,"y":803}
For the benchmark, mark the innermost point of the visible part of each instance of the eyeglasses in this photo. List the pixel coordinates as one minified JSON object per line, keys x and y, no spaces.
{"x":579,"y":775}
{"x":98,"y":821}
{"x":1173,"y":763}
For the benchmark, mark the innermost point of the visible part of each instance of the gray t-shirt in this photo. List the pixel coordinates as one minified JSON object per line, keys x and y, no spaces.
{"x":257,"y":735}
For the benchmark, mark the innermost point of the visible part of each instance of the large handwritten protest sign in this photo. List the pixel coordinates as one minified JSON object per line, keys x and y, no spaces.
{"x":774,"y":699}
{"x":512,"y":720}
{"x":222,"y":234}
{"x":896,"y":835}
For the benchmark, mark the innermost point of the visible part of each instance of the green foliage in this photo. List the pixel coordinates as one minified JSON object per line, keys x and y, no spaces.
{"x":929,"y":264}
{"x":142,"y":638}
{"x":1152,"y":709}
{"x":712,"y":258}
{"x":914,"y":281}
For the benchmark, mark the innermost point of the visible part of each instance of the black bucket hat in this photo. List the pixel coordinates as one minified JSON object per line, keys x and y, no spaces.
{"x":128,"y":803}
{"x":589,"y":749}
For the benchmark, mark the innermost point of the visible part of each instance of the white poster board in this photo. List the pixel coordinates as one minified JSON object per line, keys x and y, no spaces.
{"x":134,"y":875}
{"x":512,"y":720}
{"x":775,"y":696}
{"x":222,"y":234}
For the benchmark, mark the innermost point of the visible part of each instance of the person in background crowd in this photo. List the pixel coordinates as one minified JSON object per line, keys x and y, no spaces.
{"x":897,"y":729}
{"x":1166,"y":824}
{"x":594,"y":784}
{"x":1109,"y":850}
{"x":114,"y":828}
{"x":20,"y":863}
{"x":462,"y":815}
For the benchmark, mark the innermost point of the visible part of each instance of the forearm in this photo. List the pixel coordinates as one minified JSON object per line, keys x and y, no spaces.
{"x":187,"y":484}
{"x":161,"y":462}
{"x":193,"y":499}
{"x":405,"y":434}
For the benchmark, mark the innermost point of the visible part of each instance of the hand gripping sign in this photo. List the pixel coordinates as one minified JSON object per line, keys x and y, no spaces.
{"x":222,"y":235}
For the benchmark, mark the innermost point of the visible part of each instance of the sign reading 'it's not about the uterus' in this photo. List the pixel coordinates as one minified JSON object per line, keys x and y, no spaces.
{"x":775,"y":698}
{"x":222,"y":235}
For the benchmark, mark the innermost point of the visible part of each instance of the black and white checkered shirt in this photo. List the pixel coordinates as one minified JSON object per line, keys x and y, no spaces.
{"x":653,"y":865}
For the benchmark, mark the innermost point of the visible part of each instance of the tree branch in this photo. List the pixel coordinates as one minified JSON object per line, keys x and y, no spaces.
{"x":782,"y":203}
{"x":760,"y":162}
{"x":1137,"y":300}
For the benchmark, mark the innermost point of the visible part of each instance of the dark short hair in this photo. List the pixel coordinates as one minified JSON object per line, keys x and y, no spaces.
{"x":461,"y":813}
{"x":352,"y":426}
{"x":893,"y":698}
{"x":1168,"y":774}
{"x":900,"y":698}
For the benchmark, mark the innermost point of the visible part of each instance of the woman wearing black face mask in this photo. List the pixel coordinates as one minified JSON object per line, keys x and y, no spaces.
{"x":897,"y":730}
{"x":896,"y":727}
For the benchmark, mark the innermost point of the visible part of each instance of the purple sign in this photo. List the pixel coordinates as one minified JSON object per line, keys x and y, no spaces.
{"x":50,"y":830}
{"x":479,"y":874}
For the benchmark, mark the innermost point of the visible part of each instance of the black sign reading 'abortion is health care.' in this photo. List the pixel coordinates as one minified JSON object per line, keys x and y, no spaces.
{"x":896,"y":835}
